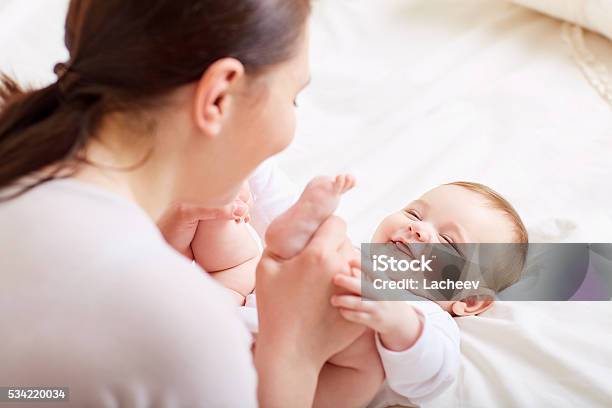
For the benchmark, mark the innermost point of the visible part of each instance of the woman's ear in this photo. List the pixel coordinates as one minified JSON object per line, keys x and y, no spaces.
{"x":212,"y":94}
{"x":471,"y":306}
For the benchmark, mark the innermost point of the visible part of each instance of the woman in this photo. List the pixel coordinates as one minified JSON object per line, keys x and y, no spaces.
{"x":162,"y":102}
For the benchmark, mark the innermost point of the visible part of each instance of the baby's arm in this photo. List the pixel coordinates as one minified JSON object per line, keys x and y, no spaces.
{"x":408,"y":336}
{"x":436,"y":352}
{"x":397,"y":324}
{"x":354,"y":376}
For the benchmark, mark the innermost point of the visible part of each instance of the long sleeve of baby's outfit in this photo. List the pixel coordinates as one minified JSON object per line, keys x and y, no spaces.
{"x":427,"y":368}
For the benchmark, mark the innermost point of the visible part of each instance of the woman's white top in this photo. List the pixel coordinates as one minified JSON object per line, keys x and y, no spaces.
{"x":92,"y":298}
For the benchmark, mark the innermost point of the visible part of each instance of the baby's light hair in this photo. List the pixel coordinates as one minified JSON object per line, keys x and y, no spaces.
{"x":500,"y":203}
{"x":497,"y":201}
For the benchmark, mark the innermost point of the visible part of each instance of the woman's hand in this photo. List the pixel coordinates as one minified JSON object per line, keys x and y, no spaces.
{"x":178,"y":224}
{"x":397,"y":323}
{"x":298,"y":328}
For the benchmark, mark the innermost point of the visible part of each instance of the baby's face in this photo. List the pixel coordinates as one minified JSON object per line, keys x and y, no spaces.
{"x":448,"y":215}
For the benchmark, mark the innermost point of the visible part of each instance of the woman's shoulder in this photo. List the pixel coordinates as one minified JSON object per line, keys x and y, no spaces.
{"x":131,"y":309}
{"x":88,"y":235}
{"x":63,"y":221}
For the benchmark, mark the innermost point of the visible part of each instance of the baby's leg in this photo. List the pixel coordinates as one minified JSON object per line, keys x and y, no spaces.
{"x":353,"y":377}
{"x":239,"y":280}
{"x":227,"y":251}
{"x":222,"y":244}
{"x":288,"y":234}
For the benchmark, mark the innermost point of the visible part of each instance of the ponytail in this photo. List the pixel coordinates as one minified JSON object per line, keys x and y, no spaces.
{"x":38,"y":128}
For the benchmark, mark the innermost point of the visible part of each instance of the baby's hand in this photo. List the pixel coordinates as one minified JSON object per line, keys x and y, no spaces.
{"x":244,"y":201}
{"x":396,"y":322}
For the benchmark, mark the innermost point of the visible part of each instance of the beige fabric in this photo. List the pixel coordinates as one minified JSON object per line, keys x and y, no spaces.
{"x":593,"y":14}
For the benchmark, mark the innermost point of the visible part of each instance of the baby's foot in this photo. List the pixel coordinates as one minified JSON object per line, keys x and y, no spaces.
{"x":288,"y":234}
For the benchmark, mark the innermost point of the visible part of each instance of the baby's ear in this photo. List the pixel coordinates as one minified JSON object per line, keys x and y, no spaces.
{"x":471,"y":306}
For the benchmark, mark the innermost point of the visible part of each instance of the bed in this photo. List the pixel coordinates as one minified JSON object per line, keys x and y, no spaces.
{"x":408,"y":94}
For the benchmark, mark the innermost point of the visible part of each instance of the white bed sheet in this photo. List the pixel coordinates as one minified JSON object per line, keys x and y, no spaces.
{"x":409,"y":94}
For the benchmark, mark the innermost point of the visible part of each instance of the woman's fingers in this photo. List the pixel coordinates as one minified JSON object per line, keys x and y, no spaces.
{"x":193,"y":213}
{"x":350,"y":283}
{"x":178,"y":224}
{"x":239,"y":212}
{"x":234,"y":211}
{"x":245,"y":195}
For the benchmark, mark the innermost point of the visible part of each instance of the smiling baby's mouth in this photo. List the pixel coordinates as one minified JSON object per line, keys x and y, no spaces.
{"x":403,"y":247}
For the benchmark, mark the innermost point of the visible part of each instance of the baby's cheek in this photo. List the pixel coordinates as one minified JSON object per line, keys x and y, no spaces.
{"x":379,"y":234}
{"x":386,"y":228}
{"x":375,"y":238}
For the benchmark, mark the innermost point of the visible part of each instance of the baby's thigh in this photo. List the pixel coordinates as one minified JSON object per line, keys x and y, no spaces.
{"x":360,"y":355}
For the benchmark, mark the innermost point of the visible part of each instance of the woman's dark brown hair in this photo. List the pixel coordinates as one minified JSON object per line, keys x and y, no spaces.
{"x":125,"y":54}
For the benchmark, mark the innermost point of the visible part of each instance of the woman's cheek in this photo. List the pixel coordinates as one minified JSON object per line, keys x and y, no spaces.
{"x":284,"y":129}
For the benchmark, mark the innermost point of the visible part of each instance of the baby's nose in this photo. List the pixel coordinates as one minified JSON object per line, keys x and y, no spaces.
{"x":420,"y":231}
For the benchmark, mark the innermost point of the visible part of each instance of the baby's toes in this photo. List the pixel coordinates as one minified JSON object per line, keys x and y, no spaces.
{"x":350,"y":182}
{"x":343,"y":183}
{"x":338,"y":184}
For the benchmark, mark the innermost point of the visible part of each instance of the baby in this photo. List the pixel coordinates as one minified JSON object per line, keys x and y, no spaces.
{"x":421,"y":356}
{"x":414,"y":345}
